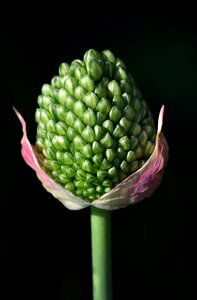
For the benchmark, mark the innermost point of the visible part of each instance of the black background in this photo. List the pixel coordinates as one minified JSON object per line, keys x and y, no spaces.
{"x":45,"y":248}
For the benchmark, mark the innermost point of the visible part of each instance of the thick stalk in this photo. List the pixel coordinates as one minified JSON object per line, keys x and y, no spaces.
{"x":101,"y":254}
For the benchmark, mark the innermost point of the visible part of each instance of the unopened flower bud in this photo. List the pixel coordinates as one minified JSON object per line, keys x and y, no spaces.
{"x":94,"y":129}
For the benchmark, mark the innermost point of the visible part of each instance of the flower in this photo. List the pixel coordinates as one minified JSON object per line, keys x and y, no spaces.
{"x":96,"y":141}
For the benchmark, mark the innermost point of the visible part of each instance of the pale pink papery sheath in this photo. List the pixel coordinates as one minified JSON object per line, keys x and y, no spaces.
{"x":134,"y":188}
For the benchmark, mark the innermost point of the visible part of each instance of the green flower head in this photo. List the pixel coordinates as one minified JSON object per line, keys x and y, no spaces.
{"x":94,"y":131}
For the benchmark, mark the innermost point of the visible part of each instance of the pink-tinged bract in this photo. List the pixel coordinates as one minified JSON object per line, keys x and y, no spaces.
{"x":133,"y":189}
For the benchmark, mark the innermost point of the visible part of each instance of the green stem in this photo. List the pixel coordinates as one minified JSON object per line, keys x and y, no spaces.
{"x":101,"y":254}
